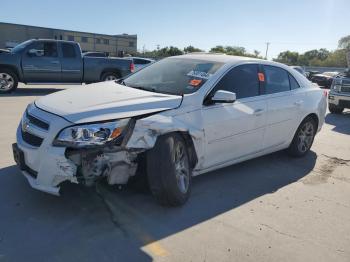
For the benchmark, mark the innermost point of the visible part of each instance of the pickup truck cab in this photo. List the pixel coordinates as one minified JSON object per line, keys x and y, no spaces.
{"x":176,"y":118}
{"x":56,"y":61}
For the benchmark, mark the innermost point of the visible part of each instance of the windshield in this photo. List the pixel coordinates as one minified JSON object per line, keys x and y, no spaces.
{"x":21,"y":46}
{"x":175,"y":76}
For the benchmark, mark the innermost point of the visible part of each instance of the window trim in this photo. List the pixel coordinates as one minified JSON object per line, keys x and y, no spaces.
{"x":209,"y":93}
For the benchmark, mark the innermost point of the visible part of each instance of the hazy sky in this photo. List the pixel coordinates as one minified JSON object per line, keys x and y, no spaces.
{"x":296,"y":25}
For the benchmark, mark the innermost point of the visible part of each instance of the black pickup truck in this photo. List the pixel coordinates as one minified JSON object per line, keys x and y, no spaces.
{"x":56,"y":61}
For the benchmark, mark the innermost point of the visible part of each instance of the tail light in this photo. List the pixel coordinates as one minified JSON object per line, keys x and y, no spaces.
{"x":325,"y":93}
{"x":132,"y":67}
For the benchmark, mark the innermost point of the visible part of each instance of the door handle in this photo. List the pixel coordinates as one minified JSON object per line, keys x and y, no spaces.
{"x":55,"y":62}
{"x":258,"y":112}
{"x":298,"y":103}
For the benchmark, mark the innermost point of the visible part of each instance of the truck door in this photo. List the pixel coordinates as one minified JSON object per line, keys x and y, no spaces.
{"x":41,"y":63}
{"x":72,"y":63}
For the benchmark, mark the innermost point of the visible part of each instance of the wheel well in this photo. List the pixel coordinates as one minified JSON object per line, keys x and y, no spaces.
{"x":11,"y":68}
{"x":314,"y":117}
{"x":111,"y":70}
{"x":191,"y":149}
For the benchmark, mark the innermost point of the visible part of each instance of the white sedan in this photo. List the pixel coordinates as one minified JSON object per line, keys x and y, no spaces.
{"x":175,"y":119}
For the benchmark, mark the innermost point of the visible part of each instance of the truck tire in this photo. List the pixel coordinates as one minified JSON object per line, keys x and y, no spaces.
{"x":335,"y":109}
{"x":168,"y":170}
{"x":8,"y":81}
{"x":110,"y":76}
{"x":303,"y":138}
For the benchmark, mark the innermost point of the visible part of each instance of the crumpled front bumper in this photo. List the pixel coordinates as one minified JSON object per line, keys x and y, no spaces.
{"x":44,"y":166}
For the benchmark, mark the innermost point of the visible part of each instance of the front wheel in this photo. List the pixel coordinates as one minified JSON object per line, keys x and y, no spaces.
{"x":335,"y":109}
{"x":303,"y":138}
{"x":168,"y":170}
{"x":8,"y":81}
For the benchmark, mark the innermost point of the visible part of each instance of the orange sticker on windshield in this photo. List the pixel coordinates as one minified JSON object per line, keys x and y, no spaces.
{"x":195,"y":82}
{"x":261,"y":77}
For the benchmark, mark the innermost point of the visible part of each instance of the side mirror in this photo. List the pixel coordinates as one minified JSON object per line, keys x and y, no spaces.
{"x":222,"y":96}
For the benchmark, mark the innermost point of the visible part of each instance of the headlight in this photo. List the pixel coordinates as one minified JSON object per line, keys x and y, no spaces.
{"x":91,"y":134}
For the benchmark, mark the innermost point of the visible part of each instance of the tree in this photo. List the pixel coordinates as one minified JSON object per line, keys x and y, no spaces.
{"x":218,"y":49}
{"x":288,"y":57}
{"x":191,"y":49}
{"x":344,"y":42}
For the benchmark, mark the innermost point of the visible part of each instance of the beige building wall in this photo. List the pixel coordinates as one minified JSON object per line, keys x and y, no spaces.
{"x":12,"y":34}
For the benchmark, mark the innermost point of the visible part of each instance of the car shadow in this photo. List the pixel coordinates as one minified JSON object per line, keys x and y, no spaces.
{"x":108,"y":224}
{"x":32,"y":91}
{"x":340,"y":122}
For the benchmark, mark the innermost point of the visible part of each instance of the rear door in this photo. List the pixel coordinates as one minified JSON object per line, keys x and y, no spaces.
{"x":284,"y":101}
{"x":235,"y":130}
{"x":72,"y":63}
{"x":40,"y":62}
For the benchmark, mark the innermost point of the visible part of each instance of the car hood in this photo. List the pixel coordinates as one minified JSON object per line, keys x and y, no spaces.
{"x":105,"y":101}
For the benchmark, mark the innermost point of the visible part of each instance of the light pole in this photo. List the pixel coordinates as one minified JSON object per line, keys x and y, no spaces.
{"x":267,"y":49}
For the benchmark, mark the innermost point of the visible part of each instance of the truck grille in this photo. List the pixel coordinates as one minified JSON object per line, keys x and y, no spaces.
{"x":37,"y":122}
{"x":345,"y":86}
{"x":31,"y":139}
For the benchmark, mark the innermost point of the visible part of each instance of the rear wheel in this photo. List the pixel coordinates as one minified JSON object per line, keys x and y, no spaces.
{"x":8,"y":81}
{"x":335,"y":109}
{"x":303,"y":138}
{"x":110,"y":76}
{"x":168,"y":170}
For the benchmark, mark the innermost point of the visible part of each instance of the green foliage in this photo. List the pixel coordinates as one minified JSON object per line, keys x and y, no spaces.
{"x":344,"y":42}
{"x":234,"y":50}
{"x":321,"y":57}
{"x":191,"y":49}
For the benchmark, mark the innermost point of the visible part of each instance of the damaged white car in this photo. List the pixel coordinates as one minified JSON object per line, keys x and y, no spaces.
{"x":179,"y":117}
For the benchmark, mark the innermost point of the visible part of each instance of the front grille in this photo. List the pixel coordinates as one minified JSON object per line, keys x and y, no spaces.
{"x":37,"y":122}
{"x":31,"y":139}
{"x":345,"y":86}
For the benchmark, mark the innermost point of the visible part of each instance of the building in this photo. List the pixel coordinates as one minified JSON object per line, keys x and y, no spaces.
{"x":114,"y":45}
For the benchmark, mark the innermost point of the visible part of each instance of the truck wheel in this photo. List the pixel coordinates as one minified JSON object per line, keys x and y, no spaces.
{"x":110,"y":76}
{"x":335,"y":109}
{"x":8,"y":81}
{"x":303,"y":138}
{"x":168,"y":170}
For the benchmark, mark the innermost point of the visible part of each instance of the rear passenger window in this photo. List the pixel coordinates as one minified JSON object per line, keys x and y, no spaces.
{"x":68,"y":50}
{"x":242,"y":80}
{"x":276,"y":80}
{"x":293,"y":83}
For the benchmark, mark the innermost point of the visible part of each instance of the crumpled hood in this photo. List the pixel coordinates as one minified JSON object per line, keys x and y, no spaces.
{"x":105,"y":101}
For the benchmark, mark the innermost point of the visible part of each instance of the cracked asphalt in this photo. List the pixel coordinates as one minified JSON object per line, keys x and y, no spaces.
{"x":273,"y":208}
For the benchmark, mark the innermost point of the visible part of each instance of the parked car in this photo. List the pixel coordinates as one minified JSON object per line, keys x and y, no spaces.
{"x":56,"y":61}
{"x":177,"y":118}
{"x":325,"y":79}
{"x":339,"y":95}
{"x":140,"y":62}
{"x":95,"y":54}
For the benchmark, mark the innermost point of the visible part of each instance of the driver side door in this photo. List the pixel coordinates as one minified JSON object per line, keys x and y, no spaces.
{"x":235,"y":130}
{"x":41,"y":63}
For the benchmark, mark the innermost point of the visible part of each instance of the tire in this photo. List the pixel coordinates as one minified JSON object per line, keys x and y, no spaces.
{"x":8,"y":81}
{"x":335,"y":109}
{"x":168,"y":170}
{"x":303,"y":138}
{"x":110,"y":76}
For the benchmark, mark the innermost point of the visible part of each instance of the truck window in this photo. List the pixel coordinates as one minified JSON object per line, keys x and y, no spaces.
{"x":43,"y":49}
{"x":68,"y":50}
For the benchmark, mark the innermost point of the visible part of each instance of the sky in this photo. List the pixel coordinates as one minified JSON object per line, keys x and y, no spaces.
{"x":296,"y":25}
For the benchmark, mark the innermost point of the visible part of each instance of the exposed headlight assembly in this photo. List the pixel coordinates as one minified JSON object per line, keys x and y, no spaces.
{"x":336,"y":85}
{"x":91,"y":134}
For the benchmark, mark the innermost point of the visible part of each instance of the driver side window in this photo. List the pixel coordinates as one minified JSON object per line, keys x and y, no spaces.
{"x":242,"y":80}
{"x":43,"y":49}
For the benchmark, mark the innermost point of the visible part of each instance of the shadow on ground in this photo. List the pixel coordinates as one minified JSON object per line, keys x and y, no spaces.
{"x":106,"y":224}
{"x":32,"y":91}
{"x":340,"y":122}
